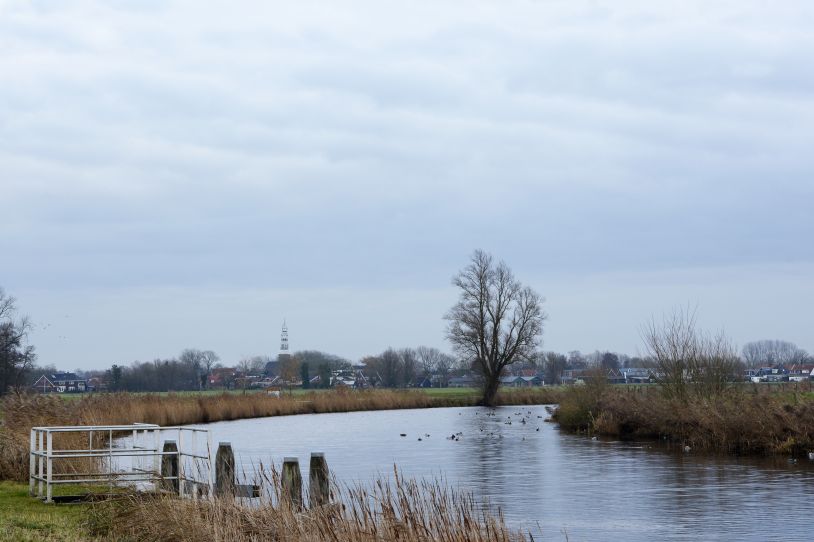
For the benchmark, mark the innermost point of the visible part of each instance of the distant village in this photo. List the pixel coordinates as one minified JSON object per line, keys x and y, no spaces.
{"x":422,"y":367}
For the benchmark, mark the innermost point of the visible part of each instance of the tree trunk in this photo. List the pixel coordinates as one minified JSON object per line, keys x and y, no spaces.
{"x":490,"y":390}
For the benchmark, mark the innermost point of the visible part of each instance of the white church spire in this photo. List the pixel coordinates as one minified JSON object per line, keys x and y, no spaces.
{"x":284,"y":340}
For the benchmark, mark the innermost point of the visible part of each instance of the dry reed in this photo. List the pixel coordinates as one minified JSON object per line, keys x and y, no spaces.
{"x":401,"y":509}
{"x":746,"y":420}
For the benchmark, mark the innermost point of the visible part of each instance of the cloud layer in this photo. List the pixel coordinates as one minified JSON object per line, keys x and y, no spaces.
{"x":235,"y":150}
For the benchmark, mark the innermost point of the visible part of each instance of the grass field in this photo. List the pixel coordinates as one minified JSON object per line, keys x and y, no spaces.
{"x":432,"y":392}
{"x":25,"y":519}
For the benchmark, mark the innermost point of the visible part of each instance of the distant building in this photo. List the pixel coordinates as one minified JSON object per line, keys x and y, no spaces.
{"x":284,"y":354}
{"x":466,"y":381}
{"x":222,"y":377}
{"x":61,"y":383}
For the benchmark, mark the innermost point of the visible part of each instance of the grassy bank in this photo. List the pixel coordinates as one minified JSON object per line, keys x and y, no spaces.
{"x":404,"y":511}
{"x":21,"y":412}
{"x":25,"y":519}
{"x":743,"y":420}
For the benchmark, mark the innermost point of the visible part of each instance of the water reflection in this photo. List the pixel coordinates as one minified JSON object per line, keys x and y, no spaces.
{"x":547,"y":481}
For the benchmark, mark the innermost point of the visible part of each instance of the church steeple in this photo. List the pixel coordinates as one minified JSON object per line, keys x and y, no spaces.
{"x":284,"y":340}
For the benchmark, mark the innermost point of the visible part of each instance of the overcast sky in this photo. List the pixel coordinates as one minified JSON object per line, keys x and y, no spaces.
{"x":188,"y":174}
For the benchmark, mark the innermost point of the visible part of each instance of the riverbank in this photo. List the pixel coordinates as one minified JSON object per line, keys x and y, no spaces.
{"x":28,"y":520}
{"x":404,"y":511}
{"x":748,"y":419}
{"x":21,"y":412}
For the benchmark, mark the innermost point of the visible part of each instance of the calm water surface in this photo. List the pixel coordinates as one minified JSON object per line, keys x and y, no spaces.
{"x":546,"y":481}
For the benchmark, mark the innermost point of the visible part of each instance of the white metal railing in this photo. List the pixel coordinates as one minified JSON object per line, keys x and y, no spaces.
{"x":137,"y":459}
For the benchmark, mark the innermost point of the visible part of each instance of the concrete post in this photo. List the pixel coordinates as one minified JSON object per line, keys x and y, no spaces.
{"x":224,"y":470}
{"x":292,"y":482}
{"x":169,"y":467}
{"x":318,"y":482}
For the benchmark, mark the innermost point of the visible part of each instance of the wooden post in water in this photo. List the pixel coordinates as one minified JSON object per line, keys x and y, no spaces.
{"x":292,"y":482}
{"x":169,"y":467}
{"x":224,"y":470}
{"x":318,"y":483}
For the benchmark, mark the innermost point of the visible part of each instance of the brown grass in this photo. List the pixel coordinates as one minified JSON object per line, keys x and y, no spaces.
{"x":403,"y":510}
{"x":21,"y":412}
{"x":746,"y":420}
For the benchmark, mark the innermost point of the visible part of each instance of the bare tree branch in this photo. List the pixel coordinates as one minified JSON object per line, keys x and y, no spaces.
{"x":496,"y":320}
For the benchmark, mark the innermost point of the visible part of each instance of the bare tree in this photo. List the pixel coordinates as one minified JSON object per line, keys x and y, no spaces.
{"x":409,"y":364}
{"x":688,"y":360}
{"x":496,"y":320}
{"x":433,"y":361}
{"x":554,"y":366}
{"x":576,"y":360}
{"x":208,"y":361}
{"x":428,"y":358}
{"x":390,"y":368}
{"x":195,"y":359}
{"x":609,"y":361}
{"x":771,"y":352}
{"x":16,"y":356}
{"x":289,"y":370}
{"x":251,"y":365}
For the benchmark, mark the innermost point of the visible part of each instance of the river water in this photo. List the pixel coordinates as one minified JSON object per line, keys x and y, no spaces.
{"x":547,"y":482}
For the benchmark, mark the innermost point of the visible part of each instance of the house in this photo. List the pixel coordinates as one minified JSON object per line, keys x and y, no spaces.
{"x":638,"y":375}
{"x":61,"y":383}
{"x":96,"y":384}
{"x":222,"y":377}
{"x":512,"y":381}
{"x":466,"y":381}
{"x":343,"y":381}
{"x":615,"y":376}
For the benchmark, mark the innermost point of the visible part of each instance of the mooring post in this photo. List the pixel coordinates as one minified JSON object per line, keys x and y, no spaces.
{"x":318,"y":483}
{"x":169,"y":467}
{"x":292,"y":481}
{"x":224,"y":470}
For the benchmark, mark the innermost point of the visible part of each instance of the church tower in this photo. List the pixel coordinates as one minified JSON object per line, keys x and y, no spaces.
{"x":284,"y":343}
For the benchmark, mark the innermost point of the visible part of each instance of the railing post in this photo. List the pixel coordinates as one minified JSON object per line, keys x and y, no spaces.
{"x":40,"y":461}
{"x":181,"y":478}
{"x":50,"y":461}
{"x":292,"y":482}
{"x":157,"y":463}
{"x":32,"y":463}
{"x":110,"y":461}
{"x":224,"y":470}
{"x":169,"y":467}
{"x":211,"y":474}
{"x":318,"y":480}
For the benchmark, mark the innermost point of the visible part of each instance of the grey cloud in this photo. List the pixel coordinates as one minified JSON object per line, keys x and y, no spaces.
{"x":192,"y":146}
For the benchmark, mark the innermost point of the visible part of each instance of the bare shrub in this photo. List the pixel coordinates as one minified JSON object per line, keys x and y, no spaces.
{"x":777,"y":420}
{"x":688,"y":360}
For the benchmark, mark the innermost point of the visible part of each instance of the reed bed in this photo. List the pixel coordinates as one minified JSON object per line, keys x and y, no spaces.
{"x":755,"y":420}
{"x":21,"y":412}
{"x":386,"y":510}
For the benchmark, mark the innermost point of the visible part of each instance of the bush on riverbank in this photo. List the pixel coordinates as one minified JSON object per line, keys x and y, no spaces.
{"x":22,"y":412}
{"x":746,"y":420}
{"x":404,"y":510}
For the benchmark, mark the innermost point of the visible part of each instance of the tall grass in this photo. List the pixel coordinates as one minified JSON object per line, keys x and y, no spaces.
{"x":403,"y":510}
{"x":21,"y":412}
{"x":745,"y":420}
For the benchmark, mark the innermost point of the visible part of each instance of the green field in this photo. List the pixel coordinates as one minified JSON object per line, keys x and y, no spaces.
{"x":432,"y":392}
{"x":23,"y":518}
